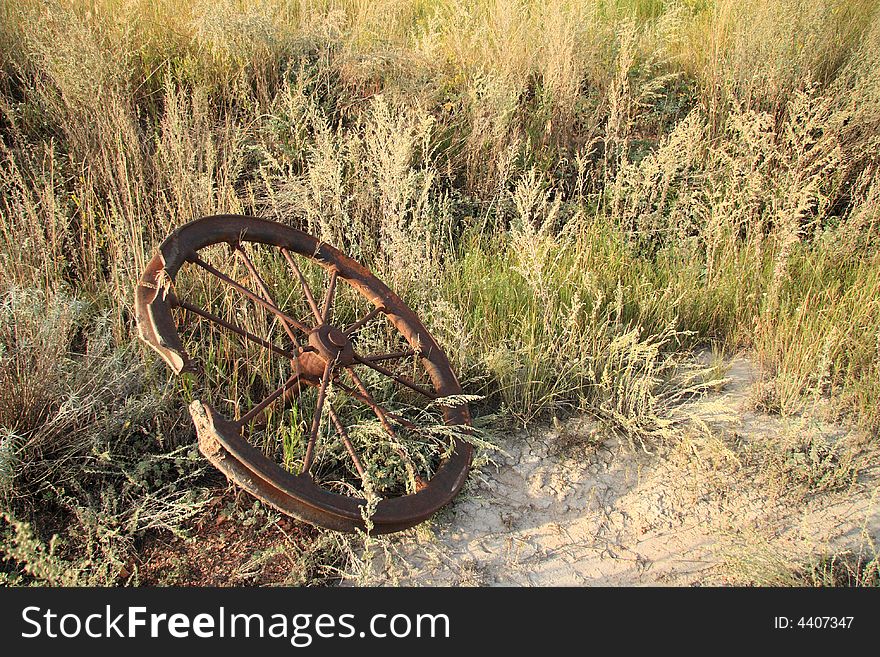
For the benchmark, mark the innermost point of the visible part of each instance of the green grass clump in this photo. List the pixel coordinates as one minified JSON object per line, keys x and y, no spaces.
{"x":573,"y":196}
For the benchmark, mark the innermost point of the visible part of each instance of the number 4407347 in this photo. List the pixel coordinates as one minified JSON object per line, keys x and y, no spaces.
{"x":814,"y":622}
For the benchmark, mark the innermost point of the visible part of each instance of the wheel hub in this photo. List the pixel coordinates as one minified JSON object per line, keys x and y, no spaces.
{"x":332,"y":345}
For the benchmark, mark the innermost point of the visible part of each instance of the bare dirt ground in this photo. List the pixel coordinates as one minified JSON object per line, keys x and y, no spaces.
{"x":743,"y":498}
{"x":230,"y":545}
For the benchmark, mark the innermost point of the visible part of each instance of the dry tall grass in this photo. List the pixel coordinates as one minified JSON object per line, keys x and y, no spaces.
{"x":572,"y":194}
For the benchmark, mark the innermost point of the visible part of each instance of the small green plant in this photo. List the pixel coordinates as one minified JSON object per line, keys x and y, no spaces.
{"x":847,"y":568}
{"x":812,"y":463}
{"x":579,"y":197}
{"x":759,"y":563}
{"x":292,"y":444}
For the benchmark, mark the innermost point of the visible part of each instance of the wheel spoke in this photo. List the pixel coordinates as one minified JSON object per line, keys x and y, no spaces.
{"x":305,"y":286}
{"x":363,"y":321}
{"x":400,"y":379}
{"x":275,"y":394}
{"x":237,"y":329}
{"x":392,"y":356}
{"x":327,"y":312}
{"x":316,"y":420}
{"x":263,"y":288}
{"x":371,"y":401}
{"x":250,"y":295}
{"x":381,"y":413}
{"x":368,"y":400}
{"x":346,"y":440}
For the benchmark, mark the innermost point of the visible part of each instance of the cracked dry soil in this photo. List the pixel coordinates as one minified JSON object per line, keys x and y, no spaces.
{"x":571,"y":506}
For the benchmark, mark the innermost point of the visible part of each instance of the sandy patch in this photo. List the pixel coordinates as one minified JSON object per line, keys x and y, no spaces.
{"x":571,"y":506}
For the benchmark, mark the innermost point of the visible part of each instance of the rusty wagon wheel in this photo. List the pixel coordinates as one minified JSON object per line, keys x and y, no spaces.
{"x":254,"y":295}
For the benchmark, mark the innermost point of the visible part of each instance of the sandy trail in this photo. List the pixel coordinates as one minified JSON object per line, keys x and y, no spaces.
{"x":600,"y":512}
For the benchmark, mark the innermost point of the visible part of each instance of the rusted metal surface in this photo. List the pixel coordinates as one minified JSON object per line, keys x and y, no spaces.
{"x":319,"y":355}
